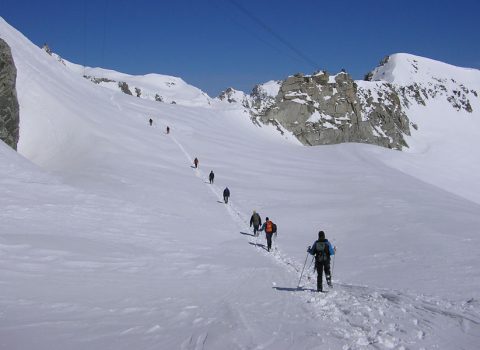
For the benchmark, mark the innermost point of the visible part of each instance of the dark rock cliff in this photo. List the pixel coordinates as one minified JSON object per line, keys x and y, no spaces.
{"x":9,"y":110}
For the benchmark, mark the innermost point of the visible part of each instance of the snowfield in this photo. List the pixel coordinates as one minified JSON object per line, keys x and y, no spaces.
{"x":110,"y":239}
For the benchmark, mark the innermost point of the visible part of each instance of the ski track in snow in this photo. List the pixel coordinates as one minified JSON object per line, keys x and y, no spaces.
{"x":363,"y":316}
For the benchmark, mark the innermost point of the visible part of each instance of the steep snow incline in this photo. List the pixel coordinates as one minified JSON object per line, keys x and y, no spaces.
{"x":124,"y":245}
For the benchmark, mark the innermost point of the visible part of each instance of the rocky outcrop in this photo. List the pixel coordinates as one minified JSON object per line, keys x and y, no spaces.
{"x":124,"y":88}
{"x":9,"y":110}
{"x":321,"y":109}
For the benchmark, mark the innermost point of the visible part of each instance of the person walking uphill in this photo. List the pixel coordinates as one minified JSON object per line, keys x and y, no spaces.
{"x":226,"y":194}
{"x":323,"y":250}
{"x":211,"y":177}
{"x":270,"y":228}
{"x":195,"y":162}
{"x":256,"y":221}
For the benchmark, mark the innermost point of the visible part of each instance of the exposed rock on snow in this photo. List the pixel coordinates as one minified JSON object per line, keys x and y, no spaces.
{"x":321,"y":109}
{"x":9,"y":111}
{"x":124,"y":87}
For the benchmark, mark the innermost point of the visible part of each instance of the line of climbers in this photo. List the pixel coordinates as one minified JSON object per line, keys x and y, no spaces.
{"x":321,"y":249}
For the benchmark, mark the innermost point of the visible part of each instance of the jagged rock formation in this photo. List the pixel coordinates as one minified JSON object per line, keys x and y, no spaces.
{"x":124,"y":87}
{"x":9,"y":110}
{"x":321,"y":109}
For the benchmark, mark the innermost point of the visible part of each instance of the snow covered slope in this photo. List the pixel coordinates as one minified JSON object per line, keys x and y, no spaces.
{"x":421,"y":106}
{"x":407,"y":69}
{"x":153,"y":87}
{"x":443,"y":101}
{"x":113,"y":241}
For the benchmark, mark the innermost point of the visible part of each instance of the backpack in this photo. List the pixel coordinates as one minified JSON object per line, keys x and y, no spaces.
{"x":274,"y":228}
{"x":269,"y":227}
{"x":321,"y":249}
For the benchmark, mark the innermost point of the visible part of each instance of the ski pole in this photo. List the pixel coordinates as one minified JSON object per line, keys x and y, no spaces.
{"x":305,"y":263}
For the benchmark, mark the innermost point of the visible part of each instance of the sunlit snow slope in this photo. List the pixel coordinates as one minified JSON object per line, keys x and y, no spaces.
{"x":153,"y":87}
{"x":109,"y":239}
{"x":447,"y":114}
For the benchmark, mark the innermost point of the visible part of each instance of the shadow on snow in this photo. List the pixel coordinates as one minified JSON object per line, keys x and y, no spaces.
{"x":247,"y":234}
{"x":296,"y":289}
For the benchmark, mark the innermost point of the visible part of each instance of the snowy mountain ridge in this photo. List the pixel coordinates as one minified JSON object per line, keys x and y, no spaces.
{"x":152,"y":87}
{"x":406,"y":69}
{"x":321,"y":108}
{"x":420,"y":79}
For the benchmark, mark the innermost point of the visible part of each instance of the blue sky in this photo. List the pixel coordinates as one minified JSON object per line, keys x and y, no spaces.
{"x":215,"y":44}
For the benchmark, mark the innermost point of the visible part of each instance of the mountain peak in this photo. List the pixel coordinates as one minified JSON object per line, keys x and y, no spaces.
{"x":406,"y":69}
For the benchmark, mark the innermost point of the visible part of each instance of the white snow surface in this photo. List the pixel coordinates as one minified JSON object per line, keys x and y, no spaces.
{"x":270,"y":88}
{"x":170,"y":89}
{"x":109,"y":239}
{"x":443,"y":151}
{"x":405,"y":69}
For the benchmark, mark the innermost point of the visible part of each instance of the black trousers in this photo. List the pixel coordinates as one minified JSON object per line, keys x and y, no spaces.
{"x":225,"y":199}
{"x":269,"y":240}
{"x":255,"y":230}
{"x":321,"y":266}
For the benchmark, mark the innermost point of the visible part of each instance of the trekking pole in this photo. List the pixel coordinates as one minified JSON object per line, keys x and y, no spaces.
{"x":333,"y":264}
{"x":308,"y":269}
{"x":305,"y":263}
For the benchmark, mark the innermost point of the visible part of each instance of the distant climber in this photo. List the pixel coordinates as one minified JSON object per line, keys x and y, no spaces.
{"x":270,"y":228}
{"x":256,"y":221}
{"x":168,"y":130}
{"x":195,"y":162}
{"x":211,"y":176}
{"x":150,"y":121}
{"x":226,"y":194}
{"x":323,"y":250}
